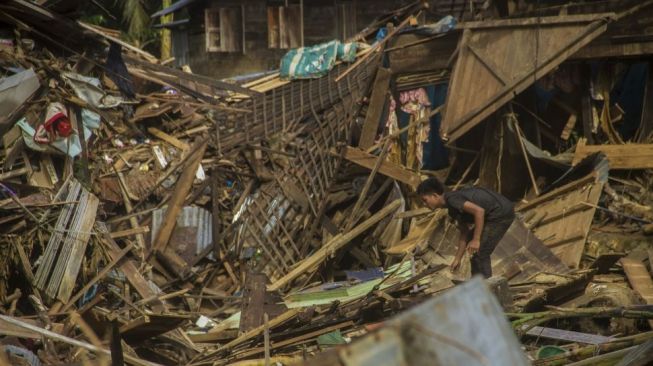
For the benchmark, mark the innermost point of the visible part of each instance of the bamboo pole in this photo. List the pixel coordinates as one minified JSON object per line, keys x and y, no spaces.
{"x":592,"y":350}
{"x":526,"y":320}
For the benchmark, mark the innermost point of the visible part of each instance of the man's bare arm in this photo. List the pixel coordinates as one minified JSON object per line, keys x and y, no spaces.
{"x":462,"y":240}
{"x":479,"y":221}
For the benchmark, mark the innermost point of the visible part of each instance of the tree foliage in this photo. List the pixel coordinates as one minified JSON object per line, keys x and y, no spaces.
{"x":132,"y":17}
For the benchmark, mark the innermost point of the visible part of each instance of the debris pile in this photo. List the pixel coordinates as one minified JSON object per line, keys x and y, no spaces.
{"x":155,"y":216}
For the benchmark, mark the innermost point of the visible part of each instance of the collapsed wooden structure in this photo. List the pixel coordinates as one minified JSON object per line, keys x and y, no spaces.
{"x":204,"y":222}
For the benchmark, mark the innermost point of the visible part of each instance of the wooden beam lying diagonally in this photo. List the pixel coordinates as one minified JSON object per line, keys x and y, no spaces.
{"x":394,"y":171}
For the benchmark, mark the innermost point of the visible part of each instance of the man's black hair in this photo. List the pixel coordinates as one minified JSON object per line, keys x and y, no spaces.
{"x":430,"y":186}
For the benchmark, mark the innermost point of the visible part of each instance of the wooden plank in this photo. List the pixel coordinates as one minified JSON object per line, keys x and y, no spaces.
{"x":182,"y":187}
{"x":113,"y":39}
{"x":169,"y":139}
{"x":520,"y":137}
{"x":639,"y":279}
{"x":418,"y":235}
{"x":129,"y":269}
{"x":376,"y":108}
{"x":610,"y":49}
{"x":133,"y":220}
{"x":556,"y":193}
{"x":25,"y":265}
{"x":185,"y":78}
{"x":538,"y":53}
{"x":422,"y":211}
{"x":627,"y":156}
{"x":354,"y":216}
{"x":333,"y":245}
{"x":13,"y":173}
{"x":564,"y":217}
{"x":70,"y":189}
{"x":387,"y":168}
{"x":98,"y":277}
{"x":11,"y":330}
{"x":130,"y":232}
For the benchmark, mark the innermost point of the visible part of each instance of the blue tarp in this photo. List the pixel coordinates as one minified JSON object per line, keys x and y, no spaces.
{"x":316,"y":61}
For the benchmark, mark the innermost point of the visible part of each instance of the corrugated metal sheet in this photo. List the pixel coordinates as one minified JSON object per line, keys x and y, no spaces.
{"x":189,"y":217}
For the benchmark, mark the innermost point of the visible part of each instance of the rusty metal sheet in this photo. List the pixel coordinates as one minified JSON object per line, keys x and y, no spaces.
{"x":193,"y":234}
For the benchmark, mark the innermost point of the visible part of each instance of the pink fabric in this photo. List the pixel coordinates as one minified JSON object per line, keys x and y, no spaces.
{"x":411,"y":101}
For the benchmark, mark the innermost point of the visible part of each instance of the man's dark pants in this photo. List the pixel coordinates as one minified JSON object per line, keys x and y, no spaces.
{"x":493,"y":232}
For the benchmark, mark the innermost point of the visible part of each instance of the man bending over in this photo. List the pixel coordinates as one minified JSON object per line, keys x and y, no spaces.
{"x":482,"y":216}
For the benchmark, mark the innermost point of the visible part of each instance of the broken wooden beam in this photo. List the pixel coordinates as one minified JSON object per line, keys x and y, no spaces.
{"x":392,"y":170}
{"x":130,"y":232}
{"x":627,"y":156}
{"x":376,"y":108}
{"x":98,"y":277}
{"x":173,"y":141}
{"x":129,"y":269}
{"x":182,"y":187}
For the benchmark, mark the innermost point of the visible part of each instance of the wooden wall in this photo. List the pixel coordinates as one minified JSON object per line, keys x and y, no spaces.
{"x":320,"y":25}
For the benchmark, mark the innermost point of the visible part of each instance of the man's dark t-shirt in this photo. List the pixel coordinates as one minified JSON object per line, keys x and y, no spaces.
{"x":496,"y":206}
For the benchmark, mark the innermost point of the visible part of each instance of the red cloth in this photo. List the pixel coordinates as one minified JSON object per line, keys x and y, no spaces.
{"x":56,"y":125}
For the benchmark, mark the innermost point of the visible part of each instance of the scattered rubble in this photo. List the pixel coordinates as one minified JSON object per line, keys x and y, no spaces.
{"x":155,"y":216}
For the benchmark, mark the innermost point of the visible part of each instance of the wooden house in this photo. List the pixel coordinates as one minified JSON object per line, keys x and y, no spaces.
{"x":223,"y":38}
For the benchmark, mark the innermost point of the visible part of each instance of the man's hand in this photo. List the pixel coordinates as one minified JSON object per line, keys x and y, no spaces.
{"x":454,"y":265}
{"x":473,"y":246}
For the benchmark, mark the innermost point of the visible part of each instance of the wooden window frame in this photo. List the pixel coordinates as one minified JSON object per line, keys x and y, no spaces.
{"x":231,"y":34}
